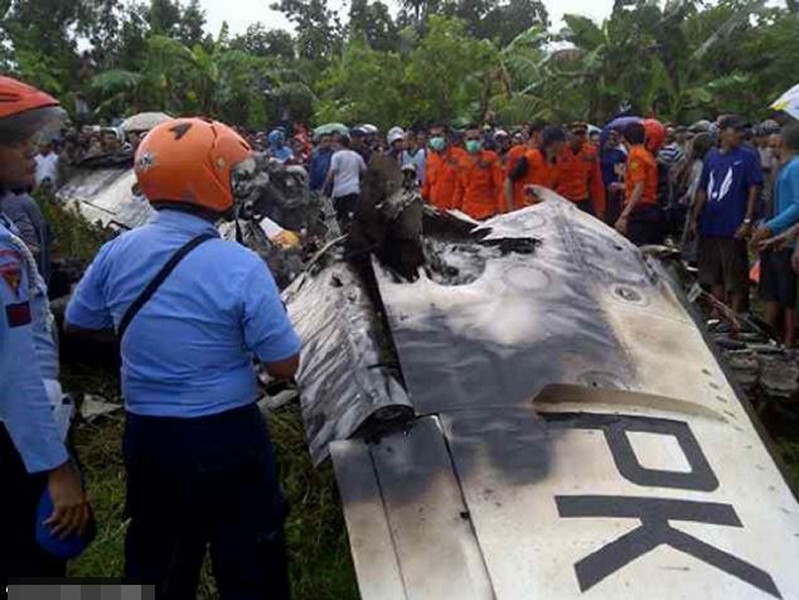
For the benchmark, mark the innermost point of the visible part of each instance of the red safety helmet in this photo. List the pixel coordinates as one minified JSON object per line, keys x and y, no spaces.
{"x":654,"y":133}
{"x":25,"y":111}
{"x":193,"y":161}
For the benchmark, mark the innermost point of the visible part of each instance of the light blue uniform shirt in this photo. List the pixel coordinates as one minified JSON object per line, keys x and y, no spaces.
{"x":189,"y":351}
{"x":786,"y":198}
{"x":24,"y":406}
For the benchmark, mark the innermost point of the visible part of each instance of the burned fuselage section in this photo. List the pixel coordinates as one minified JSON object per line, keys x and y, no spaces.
{"x":564,"y":429}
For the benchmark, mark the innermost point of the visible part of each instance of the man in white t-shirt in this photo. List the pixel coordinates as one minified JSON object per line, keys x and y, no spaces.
{"x":346,"y":167}
{"x":47,"y":165}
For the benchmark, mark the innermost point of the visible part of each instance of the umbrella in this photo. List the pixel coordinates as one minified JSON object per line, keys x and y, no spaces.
{"x":144,"y":121}
{"x":330,"y":128}
{"x":619,"y":123}
{"x":789,"y":102}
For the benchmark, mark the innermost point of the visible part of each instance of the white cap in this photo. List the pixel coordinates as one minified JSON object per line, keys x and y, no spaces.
{"x":395,"y":134}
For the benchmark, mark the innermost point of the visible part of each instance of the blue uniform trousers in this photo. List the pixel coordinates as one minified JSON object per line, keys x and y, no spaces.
{"x":20,"y":554}
{"x":195,"y":483}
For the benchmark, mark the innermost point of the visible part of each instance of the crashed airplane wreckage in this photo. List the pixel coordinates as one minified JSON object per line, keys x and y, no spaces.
{"x":526,"y":408}
{"x":519,"y":408}
{"x":103,"y":191}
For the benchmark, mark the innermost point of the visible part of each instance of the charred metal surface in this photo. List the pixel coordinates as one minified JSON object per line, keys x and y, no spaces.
{"x":348,"y":374}
{"x":389,"y":220}
{"x":373,"y":550}
{"x":597,"y":447}
{"x":422,"y":515}
{"x":517,"y":314}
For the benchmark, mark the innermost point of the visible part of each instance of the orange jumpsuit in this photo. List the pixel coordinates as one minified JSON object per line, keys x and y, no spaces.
{"x":580,"y":177}
{"x":479,"y":189}
{"x":441,"y":177}
{"x":539,"y":172}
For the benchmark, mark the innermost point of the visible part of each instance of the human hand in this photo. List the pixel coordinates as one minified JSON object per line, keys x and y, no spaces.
{"x":744,"y":231}
{"x":71,"y":508}
{"x":761,"y":234}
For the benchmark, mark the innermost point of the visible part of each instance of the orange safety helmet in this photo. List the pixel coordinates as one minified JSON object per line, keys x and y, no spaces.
{"x":24,"y":111}
{"x":654,"y":133}
{"x":193,"y":161}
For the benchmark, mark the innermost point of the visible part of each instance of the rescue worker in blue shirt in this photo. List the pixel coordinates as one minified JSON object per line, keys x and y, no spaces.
{"x":200,"y":467}
{"x":33,"y":456}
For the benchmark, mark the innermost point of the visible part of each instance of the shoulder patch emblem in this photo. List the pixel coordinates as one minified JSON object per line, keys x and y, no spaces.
{"x":12,"y":275}
{"x":18,"y":315}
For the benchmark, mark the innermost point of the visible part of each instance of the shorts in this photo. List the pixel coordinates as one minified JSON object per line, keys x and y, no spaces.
{"x":777,"y":277}
{"x":723,"y":262}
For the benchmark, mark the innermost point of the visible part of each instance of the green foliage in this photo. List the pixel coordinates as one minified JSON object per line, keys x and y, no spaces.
{"x":363,"y":85}
{"x":319,"y":34}
{"x":448,"y":71}
{"x":440,"y":59}
{"x":72,"y":235}
{"x":447,"y":74}
{"x":373,"y":23}
{"x":679,"y":62}
{"x":263,"y":42}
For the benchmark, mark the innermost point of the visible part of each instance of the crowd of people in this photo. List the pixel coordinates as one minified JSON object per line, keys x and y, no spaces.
{"x":726,"y":192}
{"x":727,"y":188}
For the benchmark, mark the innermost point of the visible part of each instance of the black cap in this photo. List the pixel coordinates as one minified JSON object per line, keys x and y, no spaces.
{"x":733,"y":122}
{"x":552,"y":134}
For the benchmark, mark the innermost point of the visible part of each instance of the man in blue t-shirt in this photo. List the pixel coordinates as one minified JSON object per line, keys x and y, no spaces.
{"x":320,"y":163}
{"x":724,"y":212}
{"x":777,"y":275}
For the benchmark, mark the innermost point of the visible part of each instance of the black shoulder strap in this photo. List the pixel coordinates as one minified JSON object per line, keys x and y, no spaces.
{"x":160,"y":277}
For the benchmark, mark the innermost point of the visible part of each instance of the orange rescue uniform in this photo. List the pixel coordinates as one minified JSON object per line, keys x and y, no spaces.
{"x":641,"y":167}
{"x":479,"y":190}
{"x":538,"y":172}
{"x":441,"y":177}
{"x":580,"y":177}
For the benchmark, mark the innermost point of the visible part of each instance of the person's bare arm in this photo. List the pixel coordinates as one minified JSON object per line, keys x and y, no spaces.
{"x":508,"y":187}
{"x":745,"y":230}
{"x":283,"y":369}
